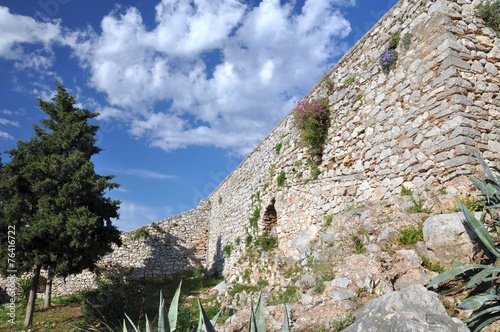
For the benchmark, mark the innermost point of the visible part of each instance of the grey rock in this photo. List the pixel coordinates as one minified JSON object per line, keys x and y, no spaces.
{"x":447,"y":238}
{"x":413,"y":309}
{"x":341,"y":295}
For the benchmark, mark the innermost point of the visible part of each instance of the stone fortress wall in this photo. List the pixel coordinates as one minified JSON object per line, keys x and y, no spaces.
{"x":419,"y":125}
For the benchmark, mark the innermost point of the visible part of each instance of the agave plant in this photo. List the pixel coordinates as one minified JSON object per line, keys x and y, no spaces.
{"x":205,"y":324}
{"x":257,"y":322}
{"x":482,"y":279}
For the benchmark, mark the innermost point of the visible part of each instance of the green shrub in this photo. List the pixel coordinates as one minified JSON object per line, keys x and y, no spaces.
{"x":112,"y":298}
{"x":140,"y":233}
{"x":489,"y":11}
{"x":248,"y":240}
{"x":471,"y":203}
{"x":254,"y":219}
{"x":479,"y":280}
{"x":266,"y":242}
{"x":281,"y":179}
{"x":435,"y":267}
{"x":411,"y":235}
{"x":312,"y":118}
{"x":278,"y":147}
{"x":418,"y":206}
{"x":359,"y":248}
{"x":407,"y":40}
{"x":228,"y":249}
{"x":328,"y":220}
{"x":289,"y":295}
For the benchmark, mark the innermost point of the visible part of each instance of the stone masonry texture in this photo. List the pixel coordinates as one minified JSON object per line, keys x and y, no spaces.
{"x":419,"y":124}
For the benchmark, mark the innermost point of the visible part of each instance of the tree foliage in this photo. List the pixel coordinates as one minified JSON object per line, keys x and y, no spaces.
{"x":51,"y":194}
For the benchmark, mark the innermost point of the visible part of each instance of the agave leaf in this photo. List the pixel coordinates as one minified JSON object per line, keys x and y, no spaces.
{"x":482,"y":276}
{"x":161,"y":314}
{"x":476,"y":301}
{"x":483,"y":318}
{"x":286,"y":322}
{"x":486,"y":168}
{"x":124,"y":327}
{"x":252,"y":324}
{"x":260,"y":321}
{"x":131,"y":322}
{"x":200,"y":322}
{"x":480,"y":230}
{"x":148,"y":326}
{"x":206,"y":321}
{"x":215,"y":318}
{"x":174,"y":307}
{"x":453,"y":273}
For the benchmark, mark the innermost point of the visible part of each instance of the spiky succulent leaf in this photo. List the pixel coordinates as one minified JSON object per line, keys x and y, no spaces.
{"x":477,"y":301}
{"x":480,"y":230}
{"x":482,"y":276}
{"x":286,"y":322}
{"x":136,"y":329}
{"x":453,"y":273}
{"x":206,"y":321}
{"x":161,"y":314}
{"x":148,"y":326}
{"x":174,"y":307}
{"x":252,"y":325}
{"x":483,"y":318}
{"x":260,"y":321}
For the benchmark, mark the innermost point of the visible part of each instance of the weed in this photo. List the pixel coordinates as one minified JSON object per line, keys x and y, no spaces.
{"x":407,"y":40}
{"x":489,"y":11}
{"x":281,"y":179}
{"x":238,"y":241}
{"x":328,"y":220}
{"x":411,"y":235}
{"x":359,"y":248}
{"x":435,"y":267}
{"x":349,"y":80}
{"x":290,"y":295}
{"x":228,"y":249}
{"x":140,"y":233}
{"x":266,"y":242}
{"x":405,"y":191}
{"x":418,"y":206}
{"x":254,"y":219}
{"x":341,"y":323}
{"x":248,"y":240}
{"x":278,"y":147}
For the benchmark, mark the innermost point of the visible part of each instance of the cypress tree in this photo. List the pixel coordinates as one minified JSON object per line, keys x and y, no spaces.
{"x":50,"y":193}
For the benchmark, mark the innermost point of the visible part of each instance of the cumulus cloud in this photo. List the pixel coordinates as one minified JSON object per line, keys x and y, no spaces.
{"x":206,"y":72}
{"x":18,"y":31}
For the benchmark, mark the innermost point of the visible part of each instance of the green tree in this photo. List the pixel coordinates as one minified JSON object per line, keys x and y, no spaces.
{"x":51,"y":194}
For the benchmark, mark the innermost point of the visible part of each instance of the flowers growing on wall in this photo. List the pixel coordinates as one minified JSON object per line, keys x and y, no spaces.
{"x":312,"y":118}
{"x":389,"y":55}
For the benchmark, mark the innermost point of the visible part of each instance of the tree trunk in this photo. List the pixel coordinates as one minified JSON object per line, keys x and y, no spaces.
{"x":48,"y":291}
{"x":30,"y":308}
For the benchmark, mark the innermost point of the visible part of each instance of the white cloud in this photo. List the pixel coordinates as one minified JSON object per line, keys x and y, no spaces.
{"x":6,"y":122}
{"x":224,"y":73}
{"x":148,"y":174}
{"x":5,"y":136}
{"x":143,"y":173}
{"x":18,"y":30}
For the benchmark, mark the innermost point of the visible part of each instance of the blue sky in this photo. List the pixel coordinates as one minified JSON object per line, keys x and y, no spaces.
{"x":185,"y":89}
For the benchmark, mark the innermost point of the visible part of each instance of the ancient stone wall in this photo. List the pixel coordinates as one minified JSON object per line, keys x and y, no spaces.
{"x":417,"y":125}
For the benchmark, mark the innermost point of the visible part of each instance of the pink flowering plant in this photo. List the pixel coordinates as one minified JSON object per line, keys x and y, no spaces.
{"x":312,"y":118}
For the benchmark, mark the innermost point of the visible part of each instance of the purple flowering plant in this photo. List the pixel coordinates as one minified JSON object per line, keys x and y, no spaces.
{"x":312,"y":118}
{"x":388,"y":59}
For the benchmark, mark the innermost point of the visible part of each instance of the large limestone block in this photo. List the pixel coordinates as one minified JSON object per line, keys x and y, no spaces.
{"x":447,"y":238}
{"x":412,"y":309}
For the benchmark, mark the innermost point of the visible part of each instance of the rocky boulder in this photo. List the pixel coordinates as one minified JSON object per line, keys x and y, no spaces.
{"x":447,"y":238}
{"x":412,"y":309}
